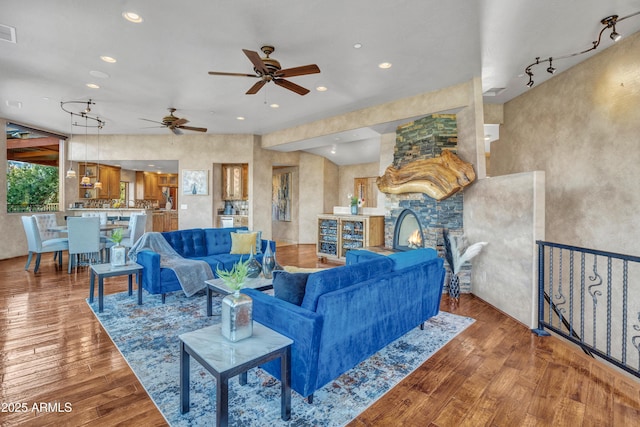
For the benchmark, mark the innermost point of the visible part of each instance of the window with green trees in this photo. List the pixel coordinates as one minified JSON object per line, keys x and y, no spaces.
{"x":32,"y":169}
{"x":31,"y":187}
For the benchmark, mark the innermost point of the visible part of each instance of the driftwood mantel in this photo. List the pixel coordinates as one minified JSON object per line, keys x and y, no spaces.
{"x":437,"y":177}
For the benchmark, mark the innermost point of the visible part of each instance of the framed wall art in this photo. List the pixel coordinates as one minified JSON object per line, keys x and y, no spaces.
{"x":195,"y":182}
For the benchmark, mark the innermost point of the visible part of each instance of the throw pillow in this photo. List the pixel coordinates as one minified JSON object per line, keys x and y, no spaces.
{"x":258,"y":248}
{"x":241,"y":243}
{"x":290,"y":287}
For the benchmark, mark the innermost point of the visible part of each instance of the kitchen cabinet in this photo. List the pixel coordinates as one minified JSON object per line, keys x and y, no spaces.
{"x":338,"y":234}
{"x":147,"y":186}
{"x":235,"y":182}
{"x":109,"y":177}
{"x":240,"y":221}
{"x":165,"y":221}
{"x":168,"y":180}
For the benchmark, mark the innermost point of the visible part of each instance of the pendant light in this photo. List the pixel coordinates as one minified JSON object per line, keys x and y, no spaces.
{"x":70,"y":173}
{"x":98,"y":185}
{"x":86,"y":181}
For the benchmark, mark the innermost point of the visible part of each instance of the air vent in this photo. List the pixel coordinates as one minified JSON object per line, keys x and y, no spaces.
{"x":7,"y":33}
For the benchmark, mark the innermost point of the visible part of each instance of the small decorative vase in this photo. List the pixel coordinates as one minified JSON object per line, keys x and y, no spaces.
{"x":276,"y":265}
{"x":118,"y":255}
{"x":237,"y":316}
{"x":168,"y":206}
{"x":253,"y":266}
{"x":268,"y":262}
{"x":454,"y":287}
{"x":354,"y":209}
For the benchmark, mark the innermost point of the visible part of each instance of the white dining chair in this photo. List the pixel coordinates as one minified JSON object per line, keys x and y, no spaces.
{"x":37,"y":246}
{"x":46,"y":222}
{"x":137,"y":225}
{"x":85,"y":247}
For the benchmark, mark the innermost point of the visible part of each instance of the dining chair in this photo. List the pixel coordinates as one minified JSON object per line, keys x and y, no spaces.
{"x":38,"y":246}
{"x":137,"y":225}
{"x":85,"y":246}
{"x":45,"y":223}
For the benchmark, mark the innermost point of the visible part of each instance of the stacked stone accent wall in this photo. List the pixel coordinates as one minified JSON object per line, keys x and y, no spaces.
{"x":423,"y":139}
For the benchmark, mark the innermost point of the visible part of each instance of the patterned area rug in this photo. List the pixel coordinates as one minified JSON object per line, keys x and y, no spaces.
{"x":147,"y":337}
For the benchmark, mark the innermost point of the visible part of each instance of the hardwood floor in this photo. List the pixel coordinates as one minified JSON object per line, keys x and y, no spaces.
{"x":56,"y":356}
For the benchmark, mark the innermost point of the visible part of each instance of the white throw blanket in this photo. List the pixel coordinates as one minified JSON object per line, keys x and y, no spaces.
{"x":191,"y":273}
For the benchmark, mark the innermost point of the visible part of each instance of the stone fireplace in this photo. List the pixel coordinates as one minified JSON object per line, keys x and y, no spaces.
{"x":421,"y":139}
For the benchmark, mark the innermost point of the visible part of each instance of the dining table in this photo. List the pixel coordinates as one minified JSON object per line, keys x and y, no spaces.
{"x":103,"y":227}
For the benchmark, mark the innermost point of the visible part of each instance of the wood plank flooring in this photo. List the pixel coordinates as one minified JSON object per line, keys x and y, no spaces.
{"x":56,"y":356}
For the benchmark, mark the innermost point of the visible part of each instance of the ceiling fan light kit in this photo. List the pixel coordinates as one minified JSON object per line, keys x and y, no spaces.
{"x":268,"y":69}
{"x":608,"y":22}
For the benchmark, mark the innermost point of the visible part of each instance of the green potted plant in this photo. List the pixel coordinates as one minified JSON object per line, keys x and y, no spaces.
{"x":237,"y":308}
{"x":117,"y":253}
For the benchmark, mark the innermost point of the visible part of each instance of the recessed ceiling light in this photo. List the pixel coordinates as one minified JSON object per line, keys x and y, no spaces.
{"x":108,"y":59}
{"x":384,"y":65}
{"x":93,"y":86}
{"x":132,"y":17}
{"x":357,"y":45}
{"x":321,"y":88}
{"x":14,"y":104}
{"x":99,"y":74}
{"x":274,"y":105}
{"x":151,"y":166}
{"x":239,"y":118}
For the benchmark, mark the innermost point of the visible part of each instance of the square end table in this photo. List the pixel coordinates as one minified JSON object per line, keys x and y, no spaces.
{"x":107,"y":270}
{"x":225,"y":359}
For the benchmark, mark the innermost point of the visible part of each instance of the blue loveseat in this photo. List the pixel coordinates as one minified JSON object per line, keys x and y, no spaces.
{"x":348,"y":313}
{"x":207,"y":244}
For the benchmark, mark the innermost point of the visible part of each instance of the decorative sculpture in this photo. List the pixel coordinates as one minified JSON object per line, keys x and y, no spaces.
{"x":437,"y":177}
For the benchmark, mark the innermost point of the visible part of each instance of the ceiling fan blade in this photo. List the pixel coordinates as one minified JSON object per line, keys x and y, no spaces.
{"x":291,"y":86}
{"x":256,"y":61}
{"x":193,"y":128}
{"x":152,"y":121}
{"x":256,"y":87}
{"x":179,"y":122}
{"x":217,"y":73}
{"x":298,"y":71}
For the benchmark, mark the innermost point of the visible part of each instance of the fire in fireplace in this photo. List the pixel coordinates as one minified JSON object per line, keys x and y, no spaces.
{"x":407,"y":232}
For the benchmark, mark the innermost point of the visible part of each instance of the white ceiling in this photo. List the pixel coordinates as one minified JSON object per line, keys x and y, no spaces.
{"x":163,"y":62}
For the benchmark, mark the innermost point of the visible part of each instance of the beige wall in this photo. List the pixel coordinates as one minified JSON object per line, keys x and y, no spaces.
{"x":508,"y":213}
{"x":582,"y":128}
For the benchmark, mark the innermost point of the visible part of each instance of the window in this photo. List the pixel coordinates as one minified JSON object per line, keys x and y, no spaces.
{"x":32,"y":170}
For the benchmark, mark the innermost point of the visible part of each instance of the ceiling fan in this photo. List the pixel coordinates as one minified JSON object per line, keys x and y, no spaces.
{"x":176,"y":124}
{"x":269,"y":70}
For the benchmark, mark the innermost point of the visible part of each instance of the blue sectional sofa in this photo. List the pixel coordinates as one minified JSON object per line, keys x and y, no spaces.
{"x":348,"y":313}
{"x":208,"y":244}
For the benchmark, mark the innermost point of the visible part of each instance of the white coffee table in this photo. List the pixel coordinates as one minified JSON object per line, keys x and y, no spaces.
{"x":218,"y":286}
{"x":225,"y":359}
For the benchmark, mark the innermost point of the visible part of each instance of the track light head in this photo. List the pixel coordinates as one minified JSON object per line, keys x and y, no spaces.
{"x":614,"y":35}
{"x":530,"y":83}
{"x":551,"y":69}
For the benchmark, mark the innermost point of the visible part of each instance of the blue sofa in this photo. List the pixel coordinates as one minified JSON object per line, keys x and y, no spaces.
{"x":208,"y":244}
{"x":348,"y":313}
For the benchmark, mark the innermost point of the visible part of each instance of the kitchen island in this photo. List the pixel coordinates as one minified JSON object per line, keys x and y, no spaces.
{"x":118,"y":215}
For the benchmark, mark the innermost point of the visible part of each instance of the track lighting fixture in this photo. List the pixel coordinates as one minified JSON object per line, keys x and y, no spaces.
{"x":608,"y":22}
{"x":551,"y":69}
